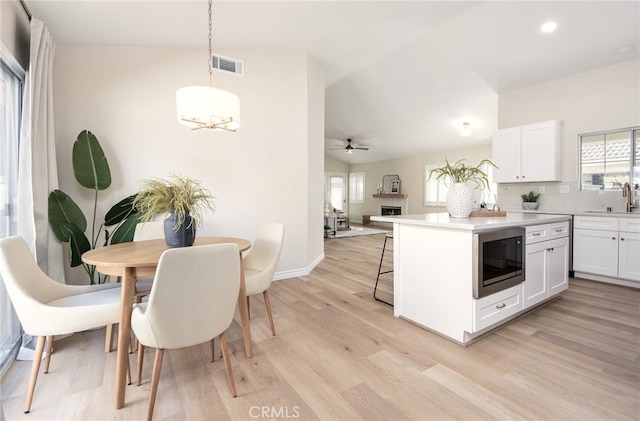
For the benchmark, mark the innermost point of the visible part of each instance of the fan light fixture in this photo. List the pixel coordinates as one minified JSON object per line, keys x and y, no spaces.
{"x":206,"y":107}
{"x":466,"y":129}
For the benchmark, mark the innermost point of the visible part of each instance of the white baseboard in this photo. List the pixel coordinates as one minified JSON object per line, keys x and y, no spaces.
{"x":295,"y":273}
{"x":606,"y":279}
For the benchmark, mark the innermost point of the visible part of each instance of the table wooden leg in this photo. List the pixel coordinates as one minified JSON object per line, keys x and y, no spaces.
{"x":124,"y":330}
{"x":244,"y":313}
{"x":108,"y":340}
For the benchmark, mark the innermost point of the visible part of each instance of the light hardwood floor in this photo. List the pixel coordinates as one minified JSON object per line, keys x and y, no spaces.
{"x":340,"y":355}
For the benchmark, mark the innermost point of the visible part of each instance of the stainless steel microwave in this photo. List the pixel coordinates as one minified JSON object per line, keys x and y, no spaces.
{"x":499,"y":260}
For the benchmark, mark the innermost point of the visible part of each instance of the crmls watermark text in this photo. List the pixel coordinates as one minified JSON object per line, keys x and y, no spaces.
{"x":274,"y":412}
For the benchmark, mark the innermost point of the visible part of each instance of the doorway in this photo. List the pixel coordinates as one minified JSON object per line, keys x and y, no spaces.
{"x":336,"y":191}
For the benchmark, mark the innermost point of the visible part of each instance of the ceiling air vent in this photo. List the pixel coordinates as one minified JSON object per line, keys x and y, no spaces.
{"x":227,"y":65}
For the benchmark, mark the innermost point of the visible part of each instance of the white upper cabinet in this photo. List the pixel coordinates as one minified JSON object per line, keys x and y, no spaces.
{"x":529,"y":153}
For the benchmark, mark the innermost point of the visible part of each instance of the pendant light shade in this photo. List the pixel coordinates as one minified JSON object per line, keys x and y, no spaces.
{"x":206,"y":107}
{"x":202,"y":107}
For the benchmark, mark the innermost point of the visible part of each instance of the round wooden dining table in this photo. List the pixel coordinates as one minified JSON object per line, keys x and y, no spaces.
{"x":140,"y":258}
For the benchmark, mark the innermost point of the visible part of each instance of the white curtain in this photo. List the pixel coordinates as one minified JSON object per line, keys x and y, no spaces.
{"x":37,"y":171}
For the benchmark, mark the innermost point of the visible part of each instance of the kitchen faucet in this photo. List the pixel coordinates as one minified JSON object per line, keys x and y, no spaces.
{"x":626,"y":192}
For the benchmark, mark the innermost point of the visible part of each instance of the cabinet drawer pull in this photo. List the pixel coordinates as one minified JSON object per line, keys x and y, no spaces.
{"x":621,"y":238}
{"x":536,"y":234}
{"x":559,"y":230}
{"x":613,"y":238}
{"x":503,"y":305}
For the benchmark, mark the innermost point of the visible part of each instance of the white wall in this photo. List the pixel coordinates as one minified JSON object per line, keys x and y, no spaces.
{"x":602,"y":99}
{"x":315,"y":161}
{"x":126,"y":96}
{"x":14,"y":31}
{"x":333,"y":165}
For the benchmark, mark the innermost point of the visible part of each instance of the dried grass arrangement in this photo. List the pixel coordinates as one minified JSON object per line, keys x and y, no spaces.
{"x":182,"y":195}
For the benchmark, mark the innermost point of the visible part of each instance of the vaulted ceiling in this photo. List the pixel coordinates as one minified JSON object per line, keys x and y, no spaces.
{"x":401,"y":77}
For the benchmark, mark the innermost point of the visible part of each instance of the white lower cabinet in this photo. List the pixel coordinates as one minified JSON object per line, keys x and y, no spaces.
{"x":607,"y":246}
{"x":595,"y":251}
{"x":629,"y":256}
{"x":558,"y":265}
{"x":535,"y":286}
{"x":496,"y":307}
{"x":546,"y":274}
{"x":546,"y":262}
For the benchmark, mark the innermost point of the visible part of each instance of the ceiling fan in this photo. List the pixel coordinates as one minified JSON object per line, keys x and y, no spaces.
{"x":350,"y":148}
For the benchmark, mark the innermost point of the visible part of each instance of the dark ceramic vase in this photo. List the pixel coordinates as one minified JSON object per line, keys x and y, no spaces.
{"x":184,"y":236}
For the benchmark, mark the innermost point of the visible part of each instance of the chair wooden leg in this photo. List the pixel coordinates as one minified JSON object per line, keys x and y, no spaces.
{"x":227,"y":363}
{"x":48,"y":355}
{"x":155,"y":378}
{"x":267,"y":303}
{"x":128,"y":372}
{"x":248,"y":307}
{"x":213,"y":349}
{"x":133,"y":343}
{"x":140,"y":361}
{"x":108,"y":340}
{"x":35,"y":367}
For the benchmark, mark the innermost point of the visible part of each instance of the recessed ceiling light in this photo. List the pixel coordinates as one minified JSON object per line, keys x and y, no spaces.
{"x":625,"y":49}
{"x":548,"y":27}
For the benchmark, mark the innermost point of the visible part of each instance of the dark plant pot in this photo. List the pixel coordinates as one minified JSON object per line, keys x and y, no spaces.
{"x":184,"y":236}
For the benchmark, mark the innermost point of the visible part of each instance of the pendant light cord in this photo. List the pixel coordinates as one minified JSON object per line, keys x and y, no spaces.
{"x":210,"y":58}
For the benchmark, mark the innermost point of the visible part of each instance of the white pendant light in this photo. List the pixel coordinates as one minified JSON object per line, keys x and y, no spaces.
{"x":206,"y":107}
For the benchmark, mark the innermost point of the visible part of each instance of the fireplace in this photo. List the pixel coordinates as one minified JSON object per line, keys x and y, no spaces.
{"x":390,"y":210}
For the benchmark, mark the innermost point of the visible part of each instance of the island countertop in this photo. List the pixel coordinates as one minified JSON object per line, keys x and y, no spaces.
{"x":443,"y":220}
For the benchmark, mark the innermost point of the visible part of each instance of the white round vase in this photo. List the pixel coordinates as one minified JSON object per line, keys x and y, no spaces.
{"x":459,"y":200}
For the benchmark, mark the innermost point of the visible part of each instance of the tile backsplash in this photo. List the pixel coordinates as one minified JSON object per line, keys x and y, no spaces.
{"x":552,"y":200}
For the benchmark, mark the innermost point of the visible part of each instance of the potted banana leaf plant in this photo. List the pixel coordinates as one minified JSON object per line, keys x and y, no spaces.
{"x":68,"y":222}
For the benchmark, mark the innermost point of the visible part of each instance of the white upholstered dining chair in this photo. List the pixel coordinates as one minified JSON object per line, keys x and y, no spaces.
{"x":260,"y":263}
{"x":46,"y":307}
{"x":192,"y":301}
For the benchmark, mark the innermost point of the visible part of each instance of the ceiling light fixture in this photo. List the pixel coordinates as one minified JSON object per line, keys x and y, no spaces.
{"x":466,"y":129}
{"x":548,"y":27}
{"x":206,"y":107}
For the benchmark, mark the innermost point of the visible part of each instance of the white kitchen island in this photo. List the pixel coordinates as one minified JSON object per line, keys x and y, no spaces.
{"x":434,"y":271}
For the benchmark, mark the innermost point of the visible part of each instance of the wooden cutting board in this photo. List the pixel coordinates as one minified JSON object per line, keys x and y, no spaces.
{"x":490,"y":214}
